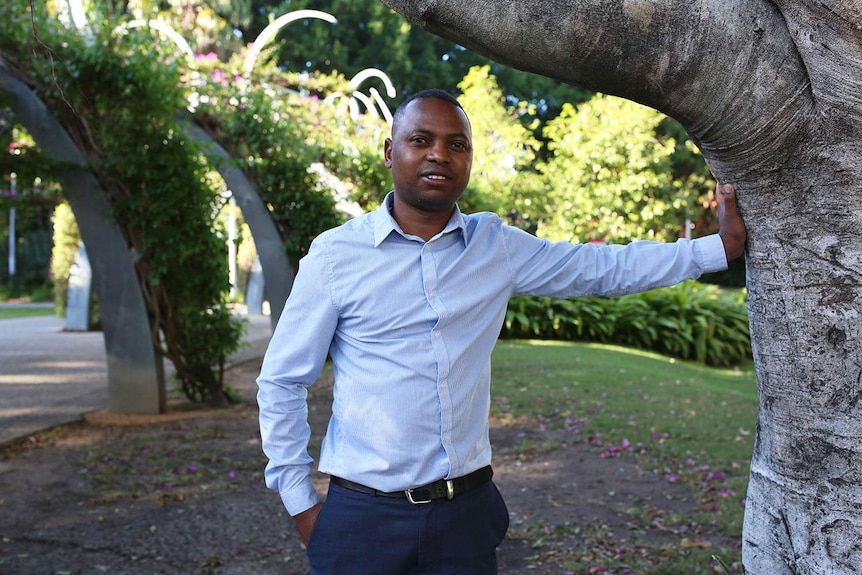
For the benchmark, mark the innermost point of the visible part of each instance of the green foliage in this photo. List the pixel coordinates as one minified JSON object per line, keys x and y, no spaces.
{"x":117,"y":97}
{"x":691,"y":321}
{"x":207,"y":25}
{"x":268,"y":132}
{"x":353,"y":151}
{"x":245,"y":257}
{"x":212,"y":334}
{"x":609,"y":177}
{"x":503,"y":147}
{"x":66,"y":240}
{"x":370,"y":35}
{"x":26,"y":188}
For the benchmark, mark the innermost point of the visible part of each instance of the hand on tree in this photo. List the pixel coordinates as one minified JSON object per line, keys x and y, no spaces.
{"x":731,"y":227}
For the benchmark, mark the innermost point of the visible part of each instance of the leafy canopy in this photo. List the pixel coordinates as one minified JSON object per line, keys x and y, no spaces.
{"x":610,"y":177}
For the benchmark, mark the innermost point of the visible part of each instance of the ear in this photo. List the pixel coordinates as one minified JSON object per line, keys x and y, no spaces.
{"x":387,"y":153}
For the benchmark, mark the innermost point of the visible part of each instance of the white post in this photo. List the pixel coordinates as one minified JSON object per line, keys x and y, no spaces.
{"x":12,"y":241}
{"x":231,"y":245}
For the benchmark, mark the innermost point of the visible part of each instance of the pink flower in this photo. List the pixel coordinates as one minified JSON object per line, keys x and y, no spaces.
{"x":218,"y":76}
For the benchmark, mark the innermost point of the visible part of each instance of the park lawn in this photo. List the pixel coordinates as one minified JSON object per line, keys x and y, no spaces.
{"x":15,"y":312}
{"x":689,"y":423}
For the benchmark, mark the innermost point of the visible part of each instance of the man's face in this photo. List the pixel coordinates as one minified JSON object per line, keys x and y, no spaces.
{"x":430,"y":155}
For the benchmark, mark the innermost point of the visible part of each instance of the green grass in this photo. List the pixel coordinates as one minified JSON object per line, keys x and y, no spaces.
{"x":689,"y":423}
{"x":19,"y":312}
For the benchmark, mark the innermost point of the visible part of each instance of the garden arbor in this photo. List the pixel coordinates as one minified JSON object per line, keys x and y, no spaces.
{"x":771,"y":92}
{"x":136,"y":381}
{"x":139,"y":192}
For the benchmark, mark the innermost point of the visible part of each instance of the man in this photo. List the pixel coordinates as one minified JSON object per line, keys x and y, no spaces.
{"x":408,"y":302}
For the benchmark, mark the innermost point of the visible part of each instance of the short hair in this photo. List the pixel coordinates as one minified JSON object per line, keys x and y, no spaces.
{"x":435,"y":93}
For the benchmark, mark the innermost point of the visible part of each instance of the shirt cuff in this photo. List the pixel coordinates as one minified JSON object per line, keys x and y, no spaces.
{"x":300,"y":498}
{"x":709,"y":253}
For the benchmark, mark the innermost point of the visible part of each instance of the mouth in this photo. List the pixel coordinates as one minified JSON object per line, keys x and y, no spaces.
{"x":436,"y":177}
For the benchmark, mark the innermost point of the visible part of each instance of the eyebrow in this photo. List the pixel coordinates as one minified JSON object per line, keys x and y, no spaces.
{"x":431,"y":133}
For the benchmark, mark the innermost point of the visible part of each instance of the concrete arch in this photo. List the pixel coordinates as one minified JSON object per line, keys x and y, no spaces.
{"x":277,"y":271}
{"x":136,"y":379}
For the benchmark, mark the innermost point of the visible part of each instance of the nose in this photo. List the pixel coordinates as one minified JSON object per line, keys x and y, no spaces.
{"x":438,"y":152}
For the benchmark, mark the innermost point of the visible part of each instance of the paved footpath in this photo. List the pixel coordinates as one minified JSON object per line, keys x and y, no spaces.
{"x":49,"y":376}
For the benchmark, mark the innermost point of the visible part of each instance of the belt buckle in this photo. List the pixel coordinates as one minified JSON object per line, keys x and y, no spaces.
{"x":450,"y":493}
{"x":409,"y":494}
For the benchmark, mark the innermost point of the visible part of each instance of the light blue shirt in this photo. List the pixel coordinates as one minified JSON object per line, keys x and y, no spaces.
{"x":410,"y":326}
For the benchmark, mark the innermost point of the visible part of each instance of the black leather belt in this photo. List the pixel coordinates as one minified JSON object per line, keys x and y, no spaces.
{"x":440,"y":489}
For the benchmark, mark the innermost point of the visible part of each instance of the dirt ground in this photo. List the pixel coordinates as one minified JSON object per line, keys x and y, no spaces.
{"x":183,"y":493}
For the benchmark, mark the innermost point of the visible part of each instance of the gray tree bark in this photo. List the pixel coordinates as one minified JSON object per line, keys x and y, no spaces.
{"x":771,"y":92}
{"x":136,"y":379}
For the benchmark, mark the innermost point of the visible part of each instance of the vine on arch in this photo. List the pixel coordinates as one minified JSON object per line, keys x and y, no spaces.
{"x":118,"y":101}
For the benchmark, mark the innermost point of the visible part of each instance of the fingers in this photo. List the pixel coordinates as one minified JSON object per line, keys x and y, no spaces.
{"x":725,"y":195}
{"x":732,"y":228}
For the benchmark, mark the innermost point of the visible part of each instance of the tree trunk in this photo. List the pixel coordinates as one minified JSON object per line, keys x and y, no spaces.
{"x":770,"y":92}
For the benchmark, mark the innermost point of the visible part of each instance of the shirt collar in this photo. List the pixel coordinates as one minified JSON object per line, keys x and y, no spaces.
{"x":385,"y":224}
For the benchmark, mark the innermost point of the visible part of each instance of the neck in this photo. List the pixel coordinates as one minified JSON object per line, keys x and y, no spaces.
{"x":419,"y":223}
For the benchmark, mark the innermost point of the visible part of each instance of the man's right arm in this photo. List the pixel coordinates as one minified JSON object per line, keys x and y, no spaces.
{"x":293,"y":361}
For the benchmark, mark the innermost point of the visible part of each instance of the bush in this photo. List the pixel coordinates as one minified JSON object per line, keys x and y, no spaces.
{"x":691,"y":321}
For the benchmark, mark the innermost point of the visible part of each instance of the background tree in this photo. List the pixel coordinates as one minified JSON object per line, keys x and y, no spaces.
{"x":772,"y":94}
{"x":503,"y":147}
{"x":609,"y":176}
{"x":207,"y":25}
{"x":369,"y":35}
{"x":27,"y":189}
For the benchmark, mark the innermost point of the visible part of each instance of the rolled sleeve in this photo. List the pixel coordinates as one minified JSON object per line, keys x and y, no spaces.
{"x":709,"y":253}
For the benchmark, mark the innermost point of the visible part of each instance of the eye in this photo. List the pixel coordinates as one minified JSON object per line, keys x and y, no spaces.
{"x":418,"y":140}
{"x":460,"y":145}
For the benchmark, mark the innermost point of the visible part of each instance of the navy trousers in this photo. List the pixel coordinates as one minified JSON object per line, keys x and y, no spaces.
{"x":361,"y":534}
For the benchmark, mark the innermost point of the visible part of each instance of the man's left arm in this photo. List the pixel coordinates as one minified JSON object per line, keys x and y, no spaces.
{"x":560,"y":269}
